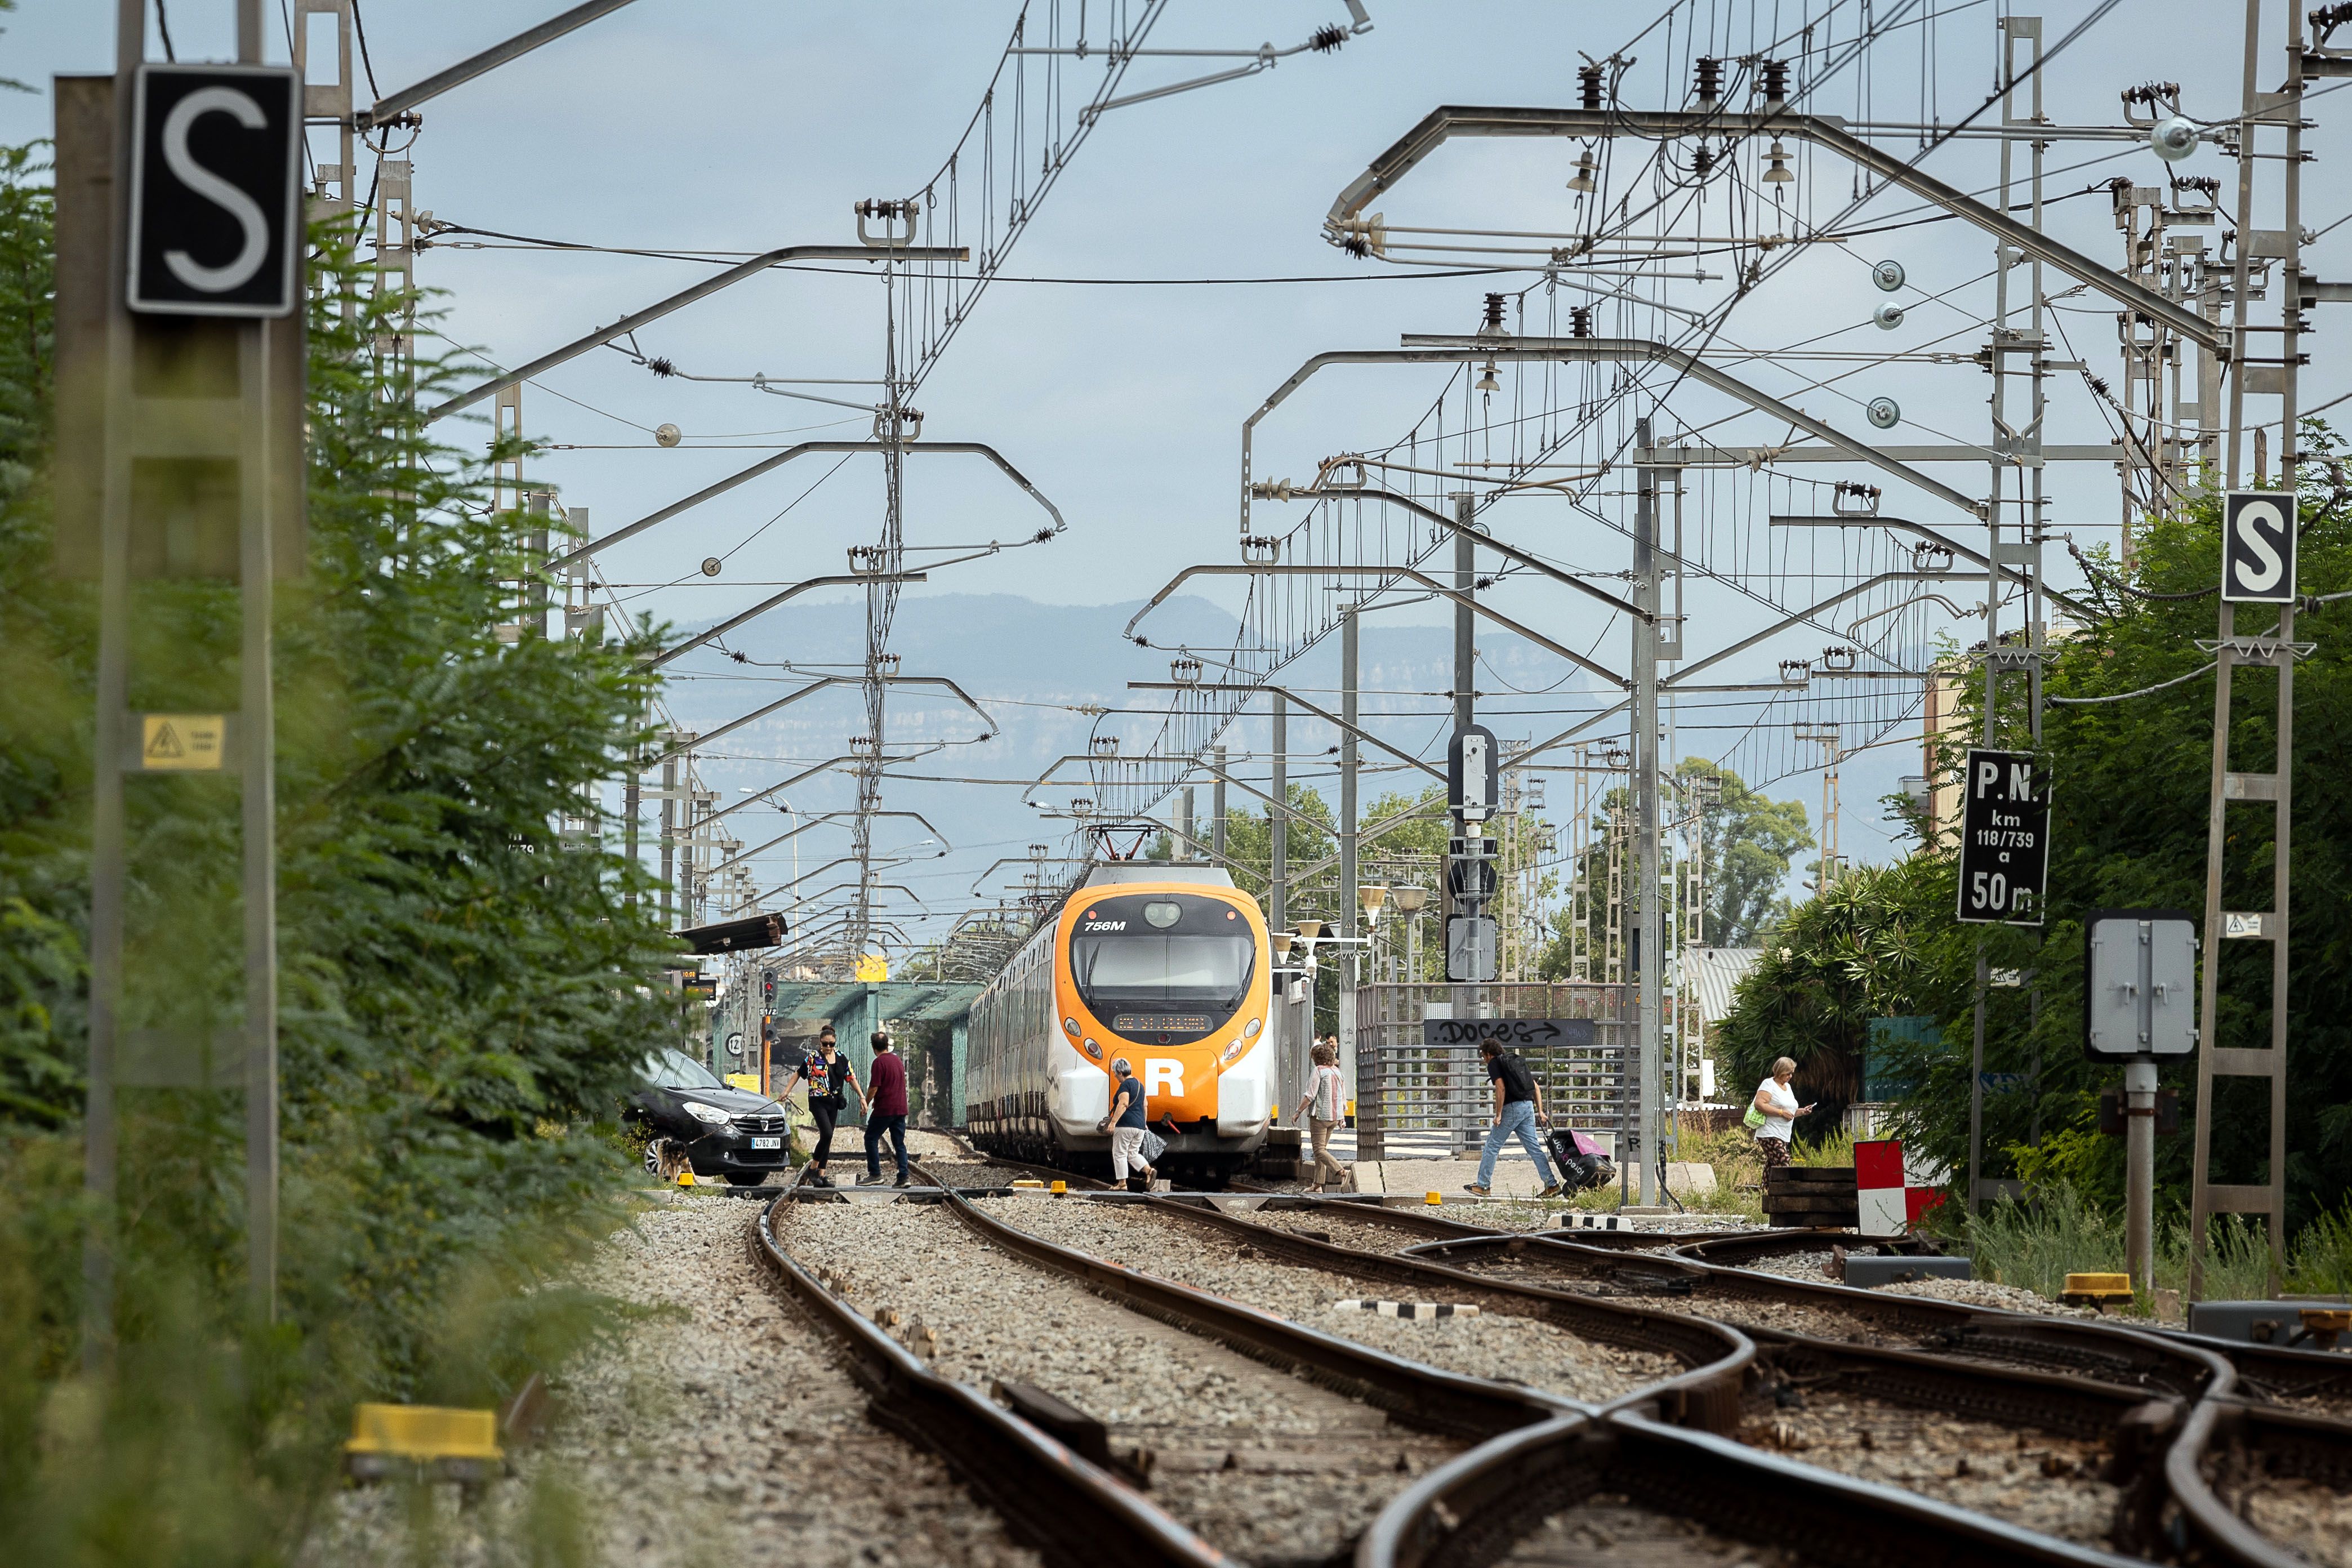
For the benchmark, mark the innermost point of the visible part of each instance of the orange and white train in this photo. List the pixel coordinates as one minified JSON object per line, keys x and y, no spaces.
{"x":1165,"y":965}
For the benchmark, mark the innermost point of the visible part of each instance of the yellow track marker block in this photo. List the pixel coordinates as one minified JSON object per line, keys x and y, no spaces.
{"x":1433,"y":1199}
{"x":425,"y":1432}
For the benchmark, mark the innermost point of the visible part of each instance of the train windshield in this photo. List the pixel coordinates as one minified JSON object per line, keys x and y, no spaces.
{"x":1144,"y":969}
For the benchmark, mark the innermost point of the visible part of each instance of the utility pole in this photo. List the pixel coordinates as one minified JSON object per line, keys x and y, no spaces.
{"x":2231,"y":650}
{"x":1465,"y":643}
{"x":1650,"y":935}
{"x":1350,"y":925}
{"x":1217,"y":806}
{"x":670,"y":836}
{"x":237,"y":407}
{"x":1277,"y":822}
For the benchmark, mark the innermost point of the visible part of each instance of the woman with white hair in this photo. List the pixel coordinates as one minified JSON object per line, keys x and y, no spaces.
{"x":1774,"y":1111}
{"x":1127,"y":1122}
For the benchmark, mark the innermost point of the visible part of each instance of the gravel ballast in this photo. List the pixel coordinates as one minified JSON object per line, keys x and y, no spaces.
{"x":1489,"y":1345}
{"x":1265,"y":1465}
{"x":2305,"y":1516}
{"x":724,"y":1431}
{"x":2039,"y":1480}
{"x":1608,"y":1528}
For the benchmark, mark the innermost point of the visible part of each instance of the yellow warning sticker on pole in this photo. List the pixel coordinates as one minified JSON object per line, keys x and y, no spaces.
{"x":183,"y":742}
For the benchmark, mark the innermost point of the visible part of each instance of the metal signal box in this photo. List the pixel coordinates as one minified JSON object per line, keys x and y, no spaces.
{"x":2139,"y":984}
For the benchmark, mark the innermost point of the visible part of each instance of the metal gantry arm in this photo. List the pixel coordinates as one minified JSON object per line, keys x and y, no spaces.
{"x":1512,"y":553}
{"x":1323,"y":713}
{"x":811,"y":689}
{"x":769,"y":465}
{"x":1797,"y":619}
{"x":490,"y":60}
{"x":1944,"y":540}
{"x":817,"y":820}
{"x":857,"y":578}
{"x":684,"y":296}
{"x":809,"y":772}
{"x":1826,"y":131}
{"x":1422,"y":579}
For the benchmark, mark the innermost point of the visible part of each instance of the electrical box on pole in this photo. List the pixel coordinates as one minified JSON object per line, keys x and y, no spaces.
{"x":1473,"y":764}
{"x":1472,"y":950}
{"x":2139,"y":984}
{"x":2140,"y":1000}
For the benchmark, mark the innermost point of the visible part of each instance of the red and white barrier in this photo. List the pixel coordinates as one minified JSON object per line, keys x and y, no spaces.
{"x":1881,"y":1194}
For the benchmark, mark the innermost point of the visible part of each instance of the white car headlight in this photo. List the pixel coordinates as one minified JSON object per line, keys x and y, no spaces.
{"x":709,"y":1114}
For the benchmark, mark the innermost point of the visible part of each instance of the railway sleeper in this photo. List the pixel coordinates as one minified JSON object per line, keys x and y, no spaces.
{"x":2099,"y":1433}
{"x":1628,"y":1487}
{"x":1701,"y":1397}
{"x":2285,"y":1475}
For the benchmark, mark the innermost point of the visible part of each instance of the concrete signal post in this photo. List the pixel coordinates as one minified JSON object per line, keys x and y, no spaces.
{"x":180,"y":456}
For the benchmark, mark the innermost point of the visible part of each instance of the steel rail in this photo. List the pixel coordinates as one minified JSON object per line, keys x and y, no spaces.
{"x":1468,"y":1511}
{"x":1072,"y":1513}
{"x":1423,"y":1396}
{"x":1717,"y":1354}
{"x":1824,"y":130}
{"x":2255,"y":1442}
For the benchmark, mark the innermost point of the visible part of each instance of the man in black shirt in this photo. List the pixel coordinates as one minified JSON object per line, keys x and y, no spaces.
{"x":1519,"y":1107}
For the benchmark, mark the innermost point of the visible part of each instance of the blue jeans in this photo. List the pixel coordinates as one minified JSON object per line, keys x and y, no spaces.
{"x":1519,"y":1117}
{"x":876,"y":1124}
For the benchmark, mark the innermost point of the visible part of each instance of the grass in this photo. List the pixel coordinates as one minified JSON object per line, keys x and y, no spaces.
{"x":2036,"y":1244}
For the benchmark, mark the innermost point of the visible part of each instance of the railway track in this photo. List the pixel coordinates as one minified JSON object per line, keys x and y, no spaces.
{"x":1599,"y":1353}
{"x":1269,"y":1442}
{"x":2075,"y":1429}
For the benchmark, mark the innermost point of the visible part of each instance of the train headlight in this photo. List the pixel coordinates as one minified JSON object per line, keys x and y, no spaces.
{"x":1233,"y":1051}
{"x":1163,"y":914}
{"x":1249,"y":1030}
{"x":1070,"y":1027}
{"x":1093,"y":1050}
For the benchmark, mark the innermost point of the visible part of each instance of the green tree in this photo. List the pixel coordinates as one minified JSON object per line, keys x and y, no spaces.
{"x":2129,"y":804}
{"x":1854,"y":953}
{"x":1746,"y":843}
{"x":465,"y":992}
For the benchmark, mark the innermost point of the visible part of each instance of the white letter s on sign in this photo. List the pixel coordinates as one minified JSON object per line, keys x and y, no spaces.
{"x":212,"y":187}
{"x":2262,"y":573}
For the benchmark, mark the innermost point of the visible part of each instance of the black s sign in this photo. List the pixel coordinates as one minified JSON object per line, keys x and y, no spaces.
{"x":215,"y":190}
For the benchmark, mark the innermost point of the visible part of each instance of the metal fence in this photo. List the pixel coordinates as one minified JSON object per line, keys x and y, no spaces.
{"x":1412,"y":1097}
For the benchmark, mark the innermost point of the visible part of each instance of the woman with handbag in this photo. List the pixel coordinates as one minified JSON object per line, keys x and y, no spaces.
{"x":1127,"y":1125}
{"x":825,"y":1070}
{"x":1323,"y":1108}
{"x":1772,"y":1113}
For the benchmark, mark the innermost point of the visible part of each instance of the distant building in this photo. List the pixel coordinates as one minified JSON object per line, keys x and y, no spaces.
{"x":1711,"y":975}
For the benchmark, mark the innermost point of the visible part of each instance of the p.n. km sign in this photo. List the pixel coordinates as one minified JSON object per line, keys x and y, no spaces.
{"x":215,"y":190}
{"x":2004,"y":838}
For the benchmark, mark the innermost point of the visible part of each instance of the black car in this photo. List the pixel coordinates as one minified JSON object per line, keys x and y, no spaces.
{"x":721,"y":1131}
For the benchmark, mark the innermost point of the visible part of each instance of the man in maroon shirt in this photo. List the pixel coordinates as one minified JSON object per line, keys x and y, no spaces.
{"x":886,"y":1110}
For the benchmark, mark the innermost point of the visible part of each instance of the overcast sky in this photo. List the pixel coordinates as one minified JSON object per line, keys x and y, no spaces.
{"x":743,"y":124}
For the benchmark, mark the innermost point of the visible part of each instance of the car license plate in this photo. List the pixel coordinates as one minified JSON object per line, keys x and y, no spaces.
{"x":767,"y":1143}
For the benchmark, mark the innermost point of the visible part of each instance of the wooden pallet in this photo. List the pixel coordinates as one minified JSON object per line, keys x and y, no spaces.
{"x":1812,"y":1195}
